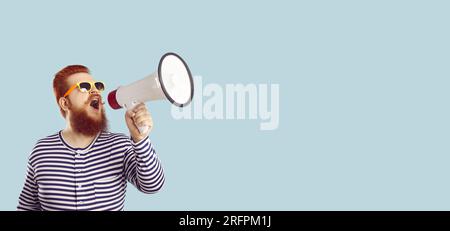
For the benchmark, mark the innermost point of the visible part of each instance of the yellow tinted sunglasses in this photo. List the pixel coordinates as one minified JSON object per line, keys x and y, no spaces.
{"x":86,"y":87}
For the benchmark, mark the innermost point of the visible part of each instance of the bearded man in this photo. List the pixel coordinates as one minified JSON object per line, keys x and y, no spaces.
{"x":83,"y":166}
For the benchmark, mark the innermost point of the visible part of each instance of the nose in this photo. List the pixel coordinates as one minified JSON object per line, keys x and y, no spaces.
{"x":94,"y":91}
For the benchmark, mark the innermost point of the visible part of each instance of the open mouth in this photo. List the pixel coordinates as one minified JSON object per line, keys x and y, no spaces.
{"x":95,"y":103}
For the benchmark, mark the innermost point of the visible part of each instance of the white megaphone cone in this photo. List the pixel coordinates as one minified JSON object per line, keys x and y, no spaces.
{"x":172,"y":81}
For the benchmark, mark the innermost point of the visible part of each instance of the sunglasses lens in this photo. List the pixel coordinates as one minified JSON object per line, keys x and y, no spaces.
{"x":100,"y":86}
{"x":85,"y":87}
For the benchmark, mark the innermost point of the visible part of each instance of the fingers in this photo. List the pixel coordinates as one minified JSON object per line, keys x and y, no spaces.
{"x":129,"y":114}
{"x":138,"y":110}
{"x":141,"y":115}
{"x":143,"y":121}
{"x":140,"y":106}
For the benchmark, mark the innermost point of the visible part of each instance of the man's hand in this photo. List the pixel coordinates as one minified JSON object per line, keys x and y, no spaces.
{"x":139,"y":116}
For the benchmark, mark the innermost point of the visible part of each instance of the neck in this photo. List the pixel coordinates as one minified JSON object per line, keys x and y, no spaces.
{"x":76,"y":139}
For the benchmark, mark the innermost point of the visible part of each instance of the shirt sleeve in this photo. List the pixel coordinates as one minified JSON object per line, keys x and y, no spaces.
{"x":143,"y":168}
{"x":28,"y":199}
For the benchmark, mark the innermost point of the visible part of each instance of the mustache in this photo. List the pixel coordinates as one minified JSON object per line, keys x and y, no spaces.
{"x":92,"y":96}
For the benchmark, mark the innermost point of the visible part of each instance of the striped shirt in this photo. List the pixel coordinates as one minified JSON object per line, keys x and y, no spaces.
{"x":60,"y":177}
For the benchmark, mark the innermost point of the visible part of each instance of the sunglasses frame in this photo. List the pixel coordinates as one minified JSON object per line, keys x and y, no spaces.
{"x":92,"y":84}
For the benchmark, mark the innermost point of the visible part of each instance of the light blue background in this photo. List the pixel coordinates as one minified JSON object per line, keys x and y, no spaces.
{"x":364,"y":90}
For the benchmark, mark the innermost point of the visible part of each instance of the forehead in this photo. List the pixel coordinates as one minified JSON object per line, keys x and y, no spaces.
{"x":78,"y":77}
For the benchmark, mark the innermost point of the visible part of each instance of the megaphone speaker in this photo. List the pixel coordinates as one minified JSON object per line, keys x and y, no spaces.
{"x":172,"y":81}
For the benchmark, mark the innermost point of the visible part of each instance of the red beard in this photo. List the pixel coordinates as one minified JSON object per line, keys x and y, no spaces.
{"x":82,"y":123}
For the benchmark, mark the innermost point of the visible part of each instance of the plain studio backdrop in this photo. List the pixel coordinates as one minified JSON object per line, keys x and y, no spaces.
{"x":363,"y":109}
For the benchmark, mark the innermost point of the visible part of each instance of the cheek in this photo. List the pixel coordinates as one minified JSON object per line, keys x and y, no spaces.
{"x":78,"y":101}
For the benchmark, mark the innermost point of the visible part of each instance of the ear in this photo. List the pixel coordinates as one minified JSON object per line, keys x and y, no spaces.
{"x":64,"y":104}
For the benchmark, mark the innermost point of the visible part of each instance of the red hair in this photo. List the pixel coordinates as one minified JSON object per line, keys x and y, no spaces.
{"x":60,"y":85}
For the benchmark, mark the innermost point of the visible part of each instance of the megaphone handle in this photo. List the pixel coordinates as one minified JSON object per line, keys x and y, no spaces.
{"x":142,"y":129}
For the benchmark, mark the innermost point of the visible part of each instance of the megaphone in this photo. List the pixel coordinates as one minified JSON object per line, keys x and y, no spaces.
{"x":172,"y":81}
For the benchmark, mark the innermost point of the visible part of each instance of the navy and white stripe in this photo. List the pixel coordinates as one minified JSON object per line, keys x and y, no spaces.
{"x":60,"y":177}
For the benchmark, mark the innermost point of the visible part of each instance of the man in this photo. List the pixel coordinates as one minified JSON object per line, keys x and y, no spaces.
{"x":83,"y":166}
